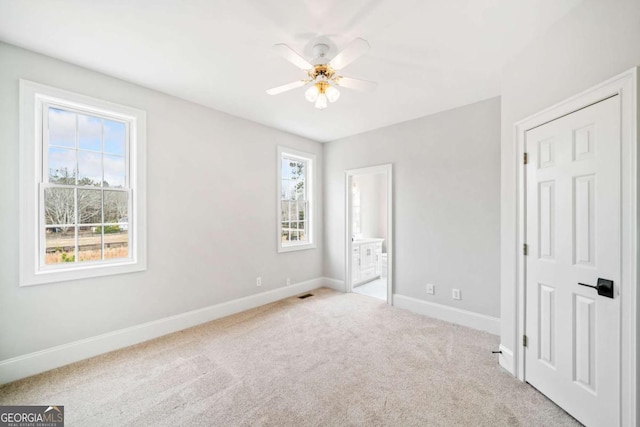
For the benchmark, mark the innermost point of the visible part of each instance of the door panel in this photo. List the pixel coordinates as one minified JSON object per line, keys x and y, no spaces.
{"x":584,"y":220}
{"x":573,"y":233}
{"x":547,"y":326}
{"x":584,"y":362}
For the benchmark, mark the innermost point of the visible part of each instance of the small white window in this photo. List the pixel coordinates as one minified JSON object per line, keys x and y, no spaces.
{"x":295,"y":200}
{"x":82,"y":186}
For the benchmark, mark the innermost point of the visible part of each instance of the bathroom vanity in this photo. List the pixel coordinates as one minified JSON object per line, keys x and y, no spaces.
{"x":366,"y":260}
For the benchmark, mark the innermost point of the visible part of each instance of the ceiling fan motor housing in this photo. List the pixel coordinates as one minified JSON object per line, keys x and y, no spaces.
{"x":320,"y":52}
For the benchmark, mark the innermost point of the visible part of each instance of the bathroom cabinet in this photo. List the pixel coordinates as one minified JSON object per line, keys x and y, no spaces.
{"x":366,"y":260}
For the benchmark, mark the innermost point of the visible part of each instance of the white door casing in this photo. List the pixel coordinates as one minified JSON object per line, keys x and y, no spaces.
{"x":513,"y":327}
{"x":573,"y":226}
{"x":350,"y":258}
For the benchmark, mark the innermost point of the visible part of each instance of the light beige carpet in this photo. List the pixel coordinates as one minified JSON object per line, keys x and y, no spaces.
{"x":330,"y":360}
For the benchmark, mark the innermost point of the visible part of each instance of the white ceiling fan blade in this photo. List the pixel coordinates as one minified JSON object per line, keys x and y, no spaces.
{"x":292,"y":56}
{"x":357,"y":84}
{"x":353,"y":51}
{"x":289,"y":86}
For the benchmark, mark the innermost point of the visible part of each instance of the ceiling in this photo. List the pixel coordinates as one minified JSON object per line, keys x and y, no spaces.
{"x":427,"y":56}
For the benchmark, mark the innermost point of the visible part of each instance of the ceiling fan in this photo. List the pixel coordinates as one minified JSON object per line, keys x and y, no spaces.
{"x":324,"y":75}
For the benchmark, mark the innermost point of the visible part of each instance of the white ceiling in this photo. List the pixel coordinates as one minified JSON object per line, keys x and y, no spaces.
{"x":426,"y":56}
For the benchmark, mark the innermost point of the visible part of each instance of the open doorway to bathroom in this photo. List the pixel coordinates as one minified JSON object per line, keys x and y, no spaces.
{"x":369,"y":232}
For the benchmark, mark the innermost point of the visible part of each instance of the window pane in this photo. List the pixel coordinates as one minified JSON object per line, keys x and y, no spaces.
{"x":116,"y":243}
{"x":59,"y":206}
{"x":90,"y":243}
{"x":293,"y":175}
{"x":62,"y":128}
{"x":62,"y":166}
{"x":89,"y":133}
{"x":89,"y":168}
{"x":291,"y":189}
{"x":302,"y":234}
{"x":116,"y":206}
{"x":302,"y":210}
{"x":286,"y":231}
{"x":285,"y":169}
{"x":60,"y":245}
{"x":296,"y":169}
{"x":285,"y":190}
{"x":89,"y":206}
{"x":114,"y":171}
{"x":291,"y":213}
{"x":298,"y":190}
{"x":115,"y":134}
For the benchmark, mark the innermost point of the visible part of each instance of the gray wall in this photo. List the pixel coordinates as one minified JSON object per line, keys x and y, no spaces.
{"x":446,"y":172}
{"x":597,"y":40}
{"x":211,"y":225}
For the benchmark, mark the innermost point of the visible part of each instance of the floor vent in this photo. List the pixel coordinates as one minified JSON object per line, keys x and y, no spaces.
{"x":305,"y":296}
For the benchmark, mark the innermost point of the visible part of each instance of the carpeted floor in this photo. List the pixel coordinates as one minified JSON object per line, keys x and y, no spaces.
{"x":330,"y":360}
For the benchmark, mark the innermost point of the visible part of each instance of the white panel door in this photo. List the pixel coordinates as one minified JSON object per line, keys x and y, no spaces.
{"x":573,"y":236}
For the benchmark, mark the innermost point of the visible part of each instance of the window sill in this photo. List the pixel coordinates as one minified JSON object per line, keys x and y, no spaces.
{"x":82,"y":272}
{"x":293,"y":248}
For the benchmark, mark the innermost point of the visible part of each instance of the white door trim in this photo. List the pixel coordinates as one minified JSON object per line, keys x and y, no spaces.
{"x":626,"y":86}
{"x":387,"y":170}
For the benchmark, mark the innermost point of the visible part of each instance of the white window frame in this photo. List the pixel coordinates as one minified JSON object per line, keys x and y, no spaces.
{"x":34,"y":98}
{"x":310,"y":189}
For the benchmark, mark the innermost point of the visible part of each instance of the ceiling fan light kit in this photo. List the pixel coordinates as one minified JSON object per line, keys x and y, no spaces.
{"x":320,"y":93}
{"x":323,"y":76}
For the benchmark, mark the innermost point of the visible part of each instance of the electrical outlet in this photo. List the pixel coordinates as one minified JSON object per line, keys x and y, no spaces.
{"x":431,"y":289}
{"x":258,"y":281}
{"x":288,"y":281}
{"x":456,"y":294}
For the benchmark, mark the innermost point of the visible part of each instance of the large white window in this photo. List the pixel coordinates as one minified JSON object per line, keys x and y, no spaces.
{"x":82,"y":188}
{"x":295,"y":200}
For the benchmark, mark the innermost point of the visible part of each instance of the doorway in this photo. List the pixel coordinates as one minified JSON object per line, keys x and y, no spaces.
{"x":368,"y":215}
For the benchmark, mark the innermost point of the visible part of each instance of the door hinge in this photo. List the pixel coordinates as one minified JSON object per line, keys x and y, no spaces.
{"x":525,"y":158}
{"x":524,"y":340}
{"x":525,"y":249}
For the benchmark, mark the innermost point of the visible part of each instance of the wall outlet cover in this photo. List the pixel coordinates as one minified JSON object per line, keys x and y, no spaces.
{"x":456,"y":294}
{"x":431,"y":289}
{"x":258,"y":281}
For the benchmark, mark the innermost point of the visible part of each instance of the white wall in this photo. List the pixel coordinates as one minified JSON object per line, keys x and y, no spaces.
{"x":597,"y":40}
{"x":373,"y":205}
{"x":446,"y":203}
{"x":211,"y":225}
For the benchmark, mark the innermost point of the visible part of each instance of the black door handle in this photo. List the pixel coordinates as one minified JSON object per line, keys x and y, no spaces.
{"x":604,"y":287}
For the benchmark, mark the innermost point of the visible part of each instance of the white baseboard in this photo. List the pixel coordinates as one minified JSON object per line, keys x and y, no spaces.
{"x":335,"y":284}
{"x":40,"y":361}
{"x":506,"y":360}
{"x":450,"y":314}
